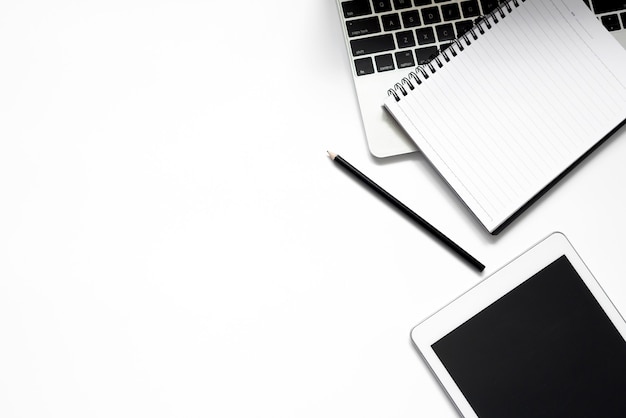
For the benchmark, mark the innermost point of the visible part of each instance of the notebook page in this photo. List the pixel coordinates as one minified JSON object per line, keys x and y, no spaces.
{"x":518,"y":105}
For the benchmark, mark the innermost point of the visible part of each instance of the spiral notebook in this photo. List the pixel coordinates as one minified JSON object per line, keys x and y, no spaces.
{"x":511,"y":107}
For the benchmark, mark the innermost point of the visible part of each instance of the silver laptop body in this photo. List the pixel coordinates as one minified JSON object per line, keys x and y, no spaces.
{"x":386,"y":39}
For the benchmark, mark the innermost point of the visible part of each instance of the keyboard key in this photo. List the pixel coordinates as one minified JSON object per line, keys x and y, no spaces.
{"x":462,"y":27}
{"x":606,"y":6}
{"x":401,"y":4}
{"x":356,"y":8}
{"x":423,"y":2}
{"x":426,"y":54}
{"x":610,"y":22}
{"x":470,"y":8}
{"x":364,"y":66}
{"x":425,"y":36}
{"x":405,"y":59}
{"x":411,"y":19}
{"x":450,"y":12}
{"x":360,"y":27}
{"x":384,"y":63}
{"x":382,"y":6}
{"x":623,"y":15}
{"x":372,"y":45}
{"x":488,"y":5}
{"x":445,"y":32}
{"x":431,"y":15}
{"x":391,"y":22}
{"x":405,"y":39}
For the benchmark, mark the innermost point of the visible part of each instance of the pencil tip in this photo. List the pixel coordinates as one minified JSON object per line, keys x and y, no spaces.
{"x":332,"y":155}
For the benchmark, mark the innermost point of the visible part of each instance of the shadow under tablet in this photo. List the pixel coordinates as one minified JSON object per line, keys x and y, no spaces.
{"x":545,"y":349}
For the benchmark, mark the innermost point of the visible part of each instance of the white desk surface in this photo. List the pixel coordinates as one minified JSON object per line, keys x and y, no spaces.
{"x":174,"y":241}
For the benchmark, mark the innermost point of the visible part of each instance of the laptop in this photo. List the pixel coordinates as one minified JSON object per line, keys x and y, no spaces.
{"x":387,"y":39}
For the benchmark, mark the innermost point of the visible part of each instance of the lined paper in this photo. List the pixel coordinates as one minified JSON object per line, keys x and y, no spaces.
{"x":519,"y":105}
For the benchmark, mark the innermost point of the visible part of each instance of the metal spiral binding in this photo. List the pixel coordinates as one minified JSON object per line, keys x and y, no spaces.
{"x":423,"y":72}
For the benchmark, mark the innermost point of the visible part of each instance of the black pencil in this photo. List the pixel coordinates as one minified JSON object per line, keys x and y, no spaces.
{"x":407,"y":211}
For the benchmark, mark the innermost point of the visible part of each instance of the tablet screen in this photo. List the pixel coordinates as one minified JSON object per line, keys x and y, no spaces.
{"x":544,"y":349}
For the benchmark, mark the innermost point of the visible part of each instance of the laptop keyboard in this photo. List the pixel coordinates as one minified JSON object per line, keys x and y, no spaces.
{"x":392,"y":34}
{"x":386,"y":35}
{"x":612,"y":13}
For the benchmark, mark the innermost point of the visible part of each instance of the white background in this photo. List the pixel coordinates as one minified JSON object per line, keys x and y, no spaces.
{"x":175,"y":242}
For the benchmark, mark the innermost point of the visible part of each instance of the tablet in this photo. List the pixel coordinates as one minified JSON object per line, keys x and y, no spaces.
{"x":538,"y":338}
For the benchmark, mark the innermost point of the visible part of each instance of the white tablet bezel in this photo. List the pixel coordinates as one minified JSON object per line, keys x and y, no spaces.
{"x":470,"y":303}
